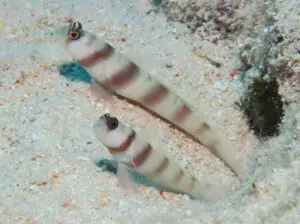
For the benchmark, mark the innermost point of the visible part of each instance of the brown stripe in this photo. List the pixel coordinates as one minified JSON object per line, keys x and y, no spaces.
{"x":182,"y":114}
{"x":155,"y":95}
{"x":178,"y":177}
{"x":203,"y":127}
{"x":162,"y":166}
{"x":97,"y":56}
{"x":124,"y":146}
{"x":142,"y":157}
{"x":122,"y":77}
{"x":193,"y":182}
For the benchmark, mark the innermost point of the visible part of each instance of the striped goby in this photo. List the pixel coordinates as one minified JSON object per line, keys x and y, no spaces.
{"x":114,"y":72}
{"x":135,"y":151}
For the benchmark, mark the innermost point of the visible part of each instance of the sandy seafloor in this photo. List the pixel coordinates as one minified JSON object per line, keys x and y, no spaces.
{"x":47,"y":138}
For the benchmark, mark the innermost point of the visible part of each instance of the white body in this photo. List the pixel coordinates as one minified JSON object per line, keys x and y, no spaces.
{"x":157,"y":165}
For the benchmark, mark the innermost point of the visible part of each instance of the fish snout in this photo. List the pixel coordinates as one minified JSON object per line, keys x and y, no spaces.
{"x":106,"y":116}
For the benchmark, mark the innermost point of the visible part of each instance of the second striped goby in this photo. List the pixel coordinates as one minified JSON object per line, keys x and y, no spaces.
{"x":134,"y":150}
{"x":112,"y":71}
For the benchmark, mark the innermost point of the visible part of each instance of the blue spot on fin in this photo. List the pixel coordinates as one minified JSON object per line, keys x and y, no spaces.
{"x":74,"y":71}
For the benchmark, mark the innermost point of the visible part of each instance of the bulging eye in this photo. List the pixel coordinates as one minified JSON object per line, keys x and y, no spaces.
{"x":112,"y":123}
{"x":75,"y":30}
{"x":74,"y":35}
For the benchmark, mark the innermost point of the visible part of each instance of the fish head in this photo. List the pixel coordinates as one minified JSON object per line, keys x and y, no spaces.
{"x":70,"y":33}
{"x":108,"y":130}
{"x":76,"y":40}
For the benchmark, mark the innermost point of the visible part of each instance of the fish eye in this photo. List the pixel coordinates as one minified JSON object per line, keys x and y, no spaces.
{"x":74,"y":35}
{"x":112,"y":123}
{"x":75,"y":30}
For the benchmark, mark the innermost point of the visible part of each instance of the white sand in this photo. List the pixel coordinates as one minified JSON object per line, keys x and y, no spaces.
{"x":47,"y":123}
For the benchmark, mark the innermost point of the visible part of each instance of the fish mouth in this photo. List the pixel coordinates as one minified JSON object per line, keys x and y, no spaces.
{"x":62,"y":34}
{"x":105,"y":116}
{"x":100,"y":124}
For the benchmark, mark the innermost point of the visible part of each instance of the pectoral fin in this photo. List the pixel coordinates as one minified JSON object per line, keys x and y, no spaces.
{"x":126,"y":180}
{"x":108,"y":165}
{"x":100,"y":91}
